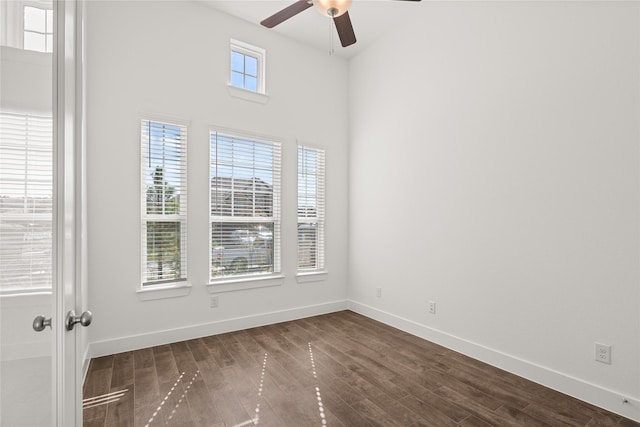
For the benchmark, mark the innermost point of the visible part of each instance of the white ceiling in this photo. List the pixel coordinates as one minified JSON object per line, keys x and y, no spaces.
{"x":370,"y":19}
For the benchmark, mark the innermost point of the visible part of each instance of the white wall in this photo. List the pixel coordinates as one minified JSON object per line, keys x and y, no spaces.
{"x":172,"y":59}
{"x":494,"y":170}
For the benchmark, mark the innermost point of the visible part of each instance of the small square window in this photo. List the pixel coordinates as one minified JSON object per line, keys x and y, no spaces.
{"x":247,"y":68}
{"x":38,"y":29}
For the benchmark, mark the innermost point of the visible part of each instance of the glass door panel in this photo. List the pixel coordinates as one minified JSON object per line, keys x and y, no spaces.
{"x":26,"y":213}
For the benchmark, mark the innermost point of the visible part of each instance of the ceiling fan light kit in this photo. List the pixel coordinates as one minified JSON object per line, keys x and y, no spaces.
{"x":332,"y":8}
{"x":338,"y":10}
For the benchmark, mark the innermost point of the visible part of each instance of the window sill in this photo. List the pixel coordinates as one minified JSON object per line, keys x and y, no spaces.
{"x":161,"y":292}
{"x":248,"y":95}
{"x":242,"y":283}
{"x":311,"y":276}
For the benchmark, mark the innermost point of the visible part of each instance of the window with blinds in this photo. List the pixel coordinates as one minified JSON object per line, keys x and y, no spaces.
{"x":245,"y":206}
{"x":26,"y":202}
{"x":164,"y":203}
{"x":311,"y":176}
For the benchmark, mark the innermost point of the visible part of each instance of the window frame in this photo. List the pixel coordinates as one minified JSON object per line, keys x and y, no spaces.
{"x":253,"y":51}
{"x":180,"y":217}
{"x":319,"y":219}
{"x":226,"y":283}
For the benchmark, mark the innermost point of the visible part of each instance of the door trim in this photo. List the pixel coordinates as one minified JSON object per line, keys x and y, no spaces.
{"x":67,"y":389}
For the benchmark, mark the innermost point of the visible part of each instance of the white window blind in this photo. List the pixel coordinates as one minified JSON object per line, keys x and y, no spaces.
{"x":26,"y":202}
{"x":164,"y":203}
{"x":245,"y":206}
{"x":311,"y":186}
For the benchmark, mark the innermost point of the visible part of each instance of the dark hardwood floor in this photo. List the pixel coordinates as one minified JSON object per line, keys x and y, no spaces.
{"x":339,"y":369}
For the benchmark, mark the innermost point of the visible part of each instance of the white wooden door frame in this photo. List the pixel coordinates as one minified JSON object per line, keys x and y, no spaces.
{"x":69,"y":211}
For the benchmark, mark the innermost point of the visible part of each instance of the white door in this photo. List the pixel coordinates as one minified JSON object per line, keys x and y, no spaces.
{"x":41,"y":215}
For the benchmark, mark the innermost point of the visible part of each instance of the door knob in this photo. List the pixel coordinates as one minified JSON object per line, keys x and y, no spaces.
{"x":84,"y":319}
{"x":40,"y":323}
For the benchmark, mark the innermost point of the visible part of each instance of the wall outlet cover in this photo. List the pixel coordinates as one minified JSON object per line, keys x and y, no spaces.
{"x":432,"y":307}
{"x":603,"y":353}
{"x":213,"y":302}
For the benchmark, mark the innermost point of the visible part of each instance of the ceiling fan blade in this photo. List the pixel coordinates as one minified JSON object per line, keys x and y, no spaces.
{"x":286,"y":13}
{"x":345,"y":29}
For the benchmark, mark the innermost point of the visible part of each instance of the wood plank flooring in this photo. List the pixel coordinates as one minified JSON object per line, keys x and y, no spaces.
{"x":339,"y":369}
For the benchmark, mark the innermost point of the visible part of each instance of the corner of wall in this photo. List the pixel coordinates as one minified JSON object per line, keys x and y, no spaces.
{"x":575,"y":387}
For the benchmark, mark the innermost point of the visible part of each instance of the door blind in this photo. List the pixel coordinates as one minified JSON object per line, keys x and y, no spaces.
{"x":26,"y":202}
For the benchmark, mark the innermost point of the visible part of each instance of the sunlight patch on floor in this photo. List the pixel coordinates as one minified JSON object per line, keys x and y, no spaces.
{"x":318,"y":394}
{"x":103,"y":399}
{"x":175,"y":408}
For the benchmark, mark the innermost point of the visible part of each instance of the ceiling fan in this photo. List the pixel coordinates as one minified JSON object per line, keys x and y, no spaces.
{"x":335,"y":9}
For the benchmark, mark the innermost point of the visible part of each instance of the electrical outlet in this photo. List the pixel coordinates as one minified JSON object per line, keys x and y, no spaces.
{"x":432,"y":307}
{"x":213,"y":302}
{"x":379,"y":292}
{"x":603,"y":353}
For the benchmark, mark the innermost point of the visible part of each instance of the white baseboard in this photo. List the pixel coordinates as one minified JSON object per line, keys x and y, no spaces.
{"x":588,"y":392}
{"x":85,"y":363}
{"x":136,"y":342}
